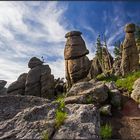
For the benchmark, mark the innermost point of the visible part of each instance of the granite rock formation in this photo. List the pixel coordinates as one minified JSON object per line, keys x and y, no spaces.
{"x":37,"y":82}
{"x":130,"y":57}
{"x":107,"y":61}
{"x":77,"y":64}
{"x":95,"y":68}
{"x":87,"y":92}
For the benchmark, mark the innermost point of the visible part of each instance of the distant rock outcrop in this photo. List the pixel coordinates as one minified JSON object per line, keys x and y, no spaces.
{"x":95,"y":68}
{"x":130,"y":57}
{"x":107,"y":61}
{"x":77,"y":64}
{"x":37,"y":82}
{"x":2,"y":87}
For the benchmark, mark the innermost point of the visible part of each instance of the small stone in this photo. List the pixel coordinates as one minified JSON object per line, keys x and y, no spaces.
{"x":105,"y":110}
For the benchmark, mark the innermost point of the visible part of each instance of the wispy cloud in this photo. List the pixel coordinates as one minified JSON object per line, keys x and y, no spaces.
{"x":30,"y":29}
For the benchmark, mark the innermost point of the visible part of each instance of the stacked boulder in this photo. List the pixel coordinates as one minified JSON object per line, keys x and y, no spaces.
{"x":77,"y":64}
{"x":2,"y":87}
{"x":37,"y":82}
{"x":130,"y":56}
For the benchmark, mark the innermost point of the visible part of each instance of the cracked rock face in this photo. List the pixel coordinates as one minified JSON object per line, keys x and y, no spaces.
{"x":83,"y":92}
{"x":28,"y":117}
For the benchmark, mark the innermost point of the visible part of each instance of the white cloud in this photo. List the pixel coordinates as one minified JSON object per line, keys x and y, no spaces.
{"x":15,"y":52}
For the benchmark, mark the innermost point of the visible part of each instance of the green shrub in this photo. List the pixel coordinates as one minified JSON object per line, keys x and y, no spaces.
{"x":128,"y":81}
{"x":60,"y":117}
{"x":102,"y":77}
{"x":45,"y":136}
{"x":89,"y":100}
{"x":106,"y":131}
{"x":60,"y":113}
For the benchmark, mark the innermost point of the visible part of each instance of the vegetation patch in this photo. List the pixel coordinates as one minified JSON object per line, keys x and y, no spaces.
{"x":106,"y":131}
{"x":102,"y":77}
{"x":125,"y":83}
{"x":45,"y":136}
{"x":128,"y":81}
{"x":89,"y":100}
{"x":60,"y":112}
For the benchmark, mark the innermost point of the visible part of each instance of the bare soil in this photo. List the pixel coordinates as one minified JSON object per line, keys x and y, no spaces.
{"x":125,"y":122}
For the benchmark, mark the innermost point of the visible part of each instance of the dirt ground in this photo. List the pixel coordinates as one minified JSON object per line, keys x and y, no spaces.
{"x":125,"y":122}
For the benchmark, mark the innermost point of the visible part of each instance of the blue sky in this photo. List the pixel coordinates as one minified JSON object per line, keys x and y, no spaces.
{"x":38,"y":28}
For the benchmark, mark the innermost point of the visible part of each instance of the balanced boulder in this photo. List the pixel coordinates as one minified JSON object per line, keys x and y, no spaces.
{"x":34,"y":61}
{"x":76,"y":62}
{"x":130,"y":56}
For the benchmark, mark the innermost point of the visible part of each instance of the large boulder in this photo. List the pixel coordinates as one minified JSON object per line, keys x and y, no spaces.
{"x":28,"y":117}
{"x":130,"y":56}
{"x":33,"y":85}
{"x":34,"y":61}
{"x":82,"y":123}
{"x":40,"y":82}
{"x":87,"y":92}
{"x":75,"y":46}
{"x":47,"y":85}
{"x":135,"y":95}
{"x":77,"y":69}
{"x":77,"y":65}
{"x":18,"y":87}
{"x":37,"y":82}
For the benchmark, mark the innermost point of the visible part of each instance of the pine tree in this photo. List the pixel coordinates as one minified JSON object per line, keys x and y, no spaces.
{"x":99,"y":49}
{"x":117,"y":50}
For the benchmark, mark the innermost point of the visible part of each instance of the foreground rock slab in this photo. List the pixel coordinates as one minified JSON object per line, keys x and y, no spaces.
{"x":83,"y":122}
{"x":28,"y":117}
{"x":87,"y":92}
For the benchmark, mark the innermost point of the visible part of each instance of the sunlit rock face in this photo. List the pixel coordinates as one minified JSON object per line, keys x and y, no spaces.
{"x":130,"y":57}
{"x":77,"y":64}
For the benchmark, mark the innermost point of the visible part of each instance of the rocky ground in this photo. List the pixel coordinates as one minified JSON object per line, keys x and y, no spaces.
{"x":87,"y":106}
{"x":27,"y":117}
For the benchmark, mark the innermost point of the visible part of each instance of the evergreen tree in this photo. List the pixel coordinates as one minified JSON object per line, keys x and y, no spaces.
{"x":99,"y":49}
{"x":137,"y":33}
{"x":117,"y":50}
